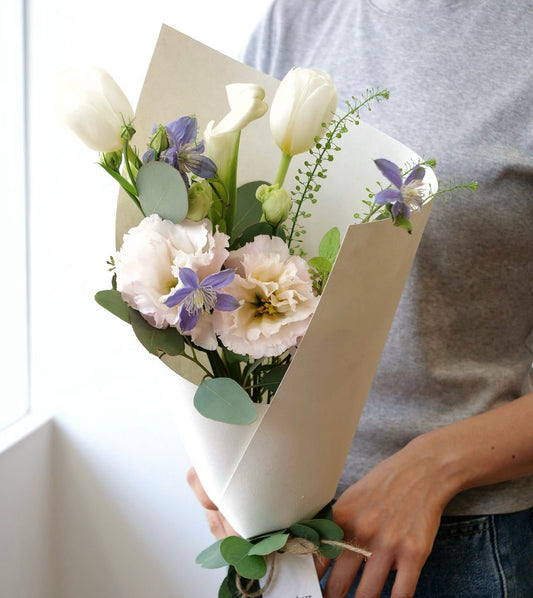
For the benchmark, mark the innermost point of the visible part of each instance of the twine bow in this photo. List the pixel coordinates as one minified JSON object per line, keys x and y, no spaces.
{"x":297,"y":546}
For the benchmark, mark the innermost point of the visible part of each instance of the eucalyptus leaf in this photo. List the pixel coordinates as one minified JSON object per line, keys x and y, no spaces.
{"x":269,"y":545}
{"x":330,"y":244}
{"x":156,"y":340}
{"x":223,"y":400}
{"x":233,"y":549}
{"x":325,"y":528}
{"x":298,"y":530}
{"x":113,"y":302}
{"x":248,"y":209}
{"x":252,"y":567}
{"x":210,"y":558}
{"x":224,"y":590}
{"x":162,"y":191}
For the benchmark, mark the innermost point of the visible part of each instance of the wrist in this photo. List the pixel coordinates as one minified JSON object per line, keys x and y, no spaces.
{"x":445,"y":462}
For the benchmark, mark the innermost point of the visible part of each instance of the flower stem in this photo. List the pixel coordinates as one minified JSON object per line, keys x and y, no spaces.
{"x":125,"y":152}
{"x":282,"y":170}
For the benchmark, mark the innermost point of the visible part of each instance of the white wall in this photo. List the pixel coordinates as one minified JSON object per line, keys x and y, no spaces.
{"x":105,"y":511}
{"x":26,"y":535}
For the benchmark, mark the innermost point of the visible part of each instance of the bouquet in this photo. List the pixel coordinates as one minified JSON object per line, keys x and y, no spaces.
{"x":263,"y":266}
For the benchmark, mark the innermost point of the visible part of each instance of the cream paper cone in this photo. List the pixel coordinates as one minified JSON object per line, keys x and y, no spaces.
{"x":285,"y":466}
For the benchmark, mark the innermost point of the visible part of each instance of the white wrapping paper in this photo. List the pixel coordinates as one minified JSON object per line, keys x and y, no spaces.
{"x":285,"y":466}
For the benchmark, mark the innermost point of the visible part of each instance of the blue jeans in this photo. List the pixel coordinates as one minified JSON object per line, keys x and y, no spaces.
{"x":487,"y":556}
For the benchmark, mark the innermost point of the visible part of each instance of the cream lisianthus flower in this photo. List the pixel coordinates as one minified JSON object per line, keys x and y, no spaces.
{"x":276,"y":297}
{"x":148,"y":263}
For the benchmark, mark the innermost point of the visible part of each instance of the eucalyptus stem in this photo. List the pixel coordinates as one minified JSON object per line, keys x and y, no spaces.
{"x":198,"y":363}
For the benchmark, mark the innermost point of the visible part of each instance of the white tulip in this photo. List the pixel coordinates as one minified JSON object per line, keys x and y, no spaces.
{"x":305,"y":99}
{"x":94,"y":107}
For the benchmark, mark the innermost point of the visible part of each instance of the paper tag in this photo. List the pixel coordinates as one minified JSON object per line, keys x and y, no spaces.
{"x":294,"y":577}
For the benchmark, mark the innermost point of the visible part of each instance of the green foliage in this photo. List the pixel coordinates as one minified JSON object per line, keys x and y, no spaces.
{"x":269,"y":544}
{"x":224,"y":400}
{"x":210,"y":558}
{"x":248,"y":209}
{"x":247,"y":557}
{"x":162,"y":191}
{"x":236,"y":552}
{"x":155,"y":340}
{"x":322,"y":265}
{"x":308,"y":180}
{"x":112,"y":301}
{"x":273,"y":377}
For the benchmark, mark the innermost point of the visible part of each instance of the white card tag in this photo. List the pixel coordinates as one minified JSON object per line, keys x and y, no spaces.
{"x":294,"y":577}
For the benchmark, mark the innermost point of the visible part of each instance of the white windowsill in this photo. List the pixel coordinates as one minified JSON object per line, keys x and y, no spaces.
{"x":22,"y":428}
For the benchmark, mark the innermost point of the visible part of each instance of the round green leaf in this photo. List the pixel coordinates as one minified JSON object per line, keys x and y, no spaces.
{"x":162,"y":191}
{"x":156,"y":340}
{"x":113,"y":302}
{"x":210,"y":558}
{"x":298,"y":530}
{"x":224,"y":590}
{"x":252,"y":567}
{"x":269,"y":545}
{"x":223,"y":400}
{"x":233,"y":549}
{"x":325,"y":528}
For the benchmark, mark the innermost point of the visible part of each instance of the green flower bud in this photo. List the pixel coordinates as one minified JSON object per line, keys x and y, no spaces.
{"x":276,"y":202}
{"x":127,"y":131}
{"x":159,"y":140}
{"x":200,"y":200}
{"x":111,"y":160}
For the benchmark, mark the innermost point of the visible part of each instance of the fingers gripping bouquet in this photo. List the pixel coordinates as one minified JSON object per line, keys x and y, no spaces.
{"x":243,"y":268}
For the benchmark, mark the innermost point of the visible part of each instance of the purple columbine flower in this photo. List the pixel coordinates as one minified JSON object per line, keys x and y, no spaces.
{"x":198,"y":297}
{"x":184,"y":152}
{"x":403,"y":196}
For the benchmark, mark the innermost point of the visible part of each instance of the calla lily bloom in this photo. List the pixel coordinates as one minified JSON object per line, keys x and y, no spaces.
{"x":94,"y":107}
{"x":222,"y":140}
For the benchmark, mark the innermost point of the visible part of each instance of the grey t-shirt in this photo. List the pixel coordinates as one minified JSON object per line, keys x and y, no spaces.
{"x":461,"y":81}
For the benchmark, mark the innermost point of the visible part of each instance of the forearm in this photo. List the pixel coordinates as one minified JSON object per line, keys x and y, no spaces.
{"x":485,"y":449}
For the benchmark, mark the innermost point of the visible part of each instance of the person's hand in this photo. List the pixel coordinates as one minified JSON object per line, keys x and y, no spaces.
{"x":218,"y":524}
{"x":394,"y":512}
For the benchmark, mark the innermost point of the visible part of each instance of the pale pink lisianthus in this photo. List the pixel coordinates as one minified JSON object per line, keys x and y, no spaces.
{"x":276,"y":296}
{"x":148,"y":262}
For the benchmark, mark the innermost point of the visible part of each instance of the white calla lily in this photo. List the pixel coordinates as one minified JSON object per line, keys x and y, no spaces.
{"x":93,"y":105}
{"x":222,"y":140}
{"x":306,"y":98}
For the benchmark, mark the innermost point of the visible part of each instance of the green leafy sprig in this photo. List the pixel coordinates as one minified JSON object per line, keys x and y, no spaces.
{"x":308,"y":179}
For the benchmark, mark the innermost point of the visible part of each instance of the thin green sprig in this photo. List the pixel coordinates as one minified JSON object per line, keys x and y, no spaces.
{"x":322,"y":153}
